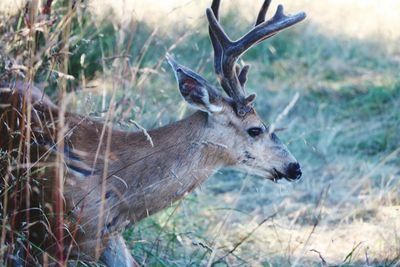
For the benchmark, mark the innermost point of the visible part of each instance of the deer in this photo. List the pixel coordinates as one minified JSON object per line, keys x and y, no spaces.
{"x":114,"y":178}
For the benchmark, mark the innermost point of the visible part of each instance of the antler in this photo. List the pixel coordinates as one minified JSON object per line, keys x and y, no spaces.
{"x":227,"y":52}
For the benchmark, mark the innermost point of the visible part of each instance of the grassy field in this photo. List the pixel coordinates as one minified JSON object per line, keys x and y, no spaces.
{"x":344,"y":61}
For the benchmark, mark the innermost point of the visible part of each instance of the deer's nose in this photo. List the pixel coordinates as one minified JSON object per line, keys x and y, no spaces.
{"x":294,"y":171}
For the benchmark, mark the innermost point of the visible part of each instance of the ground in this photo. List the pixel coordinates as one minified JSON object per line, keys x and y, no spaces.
{"x":344,"y":62}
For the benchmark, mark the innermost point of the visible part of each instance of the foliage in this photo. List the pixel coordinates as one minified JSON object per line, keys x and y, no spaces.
{"x":344,"y":130}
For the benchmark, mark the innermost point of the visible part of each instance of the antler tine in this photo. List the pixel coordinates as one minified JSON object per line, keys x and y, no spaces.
{"x":263,"y":12}
{"x":226,"y":51}
{"x":267,"y":29}
{"x":216,"y":45}
{"x":223,"y":62}
{"x":217,"y":30}
{"x":215,"y":7}
{"x":260,"y":19}
{"x":242,"y":75}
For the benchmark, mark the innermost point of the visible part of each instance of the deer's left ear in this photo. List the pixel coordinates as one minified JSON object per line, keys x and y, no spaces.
{"x":195,"y":90}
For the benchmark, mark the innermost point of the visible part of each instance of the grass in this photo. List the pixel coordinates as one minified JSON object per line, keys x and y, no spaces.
{"x":344,"y":130}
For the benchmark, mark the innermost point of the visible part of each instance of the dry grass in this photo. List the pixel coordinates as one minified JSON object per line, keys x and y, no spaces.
{"x":344,"y":62}
{"x":362,"y":19}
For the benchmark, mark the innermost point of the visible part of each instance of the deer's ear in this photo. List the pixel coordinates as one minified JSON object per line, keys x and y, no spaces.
{"x":195,"y":90}
{"x":196,"y":93}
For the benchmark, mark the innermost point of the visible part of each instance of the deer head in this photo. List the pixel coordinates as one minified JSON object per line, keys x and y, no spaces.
{"x":254,"y":148}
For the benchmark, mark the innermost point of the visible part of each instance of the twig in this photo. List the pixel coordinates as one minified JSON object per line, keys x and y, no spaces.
{"x":241,"y":241}
{"x":320,"y":201}
{"x":162,"y":229}
{"x":324,"y":263}
{"x":350,"y":255}
{"x":284,"y":113}
{"x":223,"y":224}
{"x":144,"y":132}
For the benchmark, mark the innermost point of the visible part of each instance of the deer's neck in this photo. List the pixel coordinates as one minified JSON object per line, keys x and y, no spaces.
{"x":184,"y":154}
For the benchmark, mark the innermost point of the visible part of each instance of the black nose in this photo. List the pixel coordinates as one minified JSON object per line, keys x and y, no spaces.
{"x":294,"y":171}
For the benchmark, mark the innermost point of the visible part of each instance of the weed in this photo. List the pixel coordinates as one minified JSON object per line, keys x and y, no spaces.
{"x":344,"y":130}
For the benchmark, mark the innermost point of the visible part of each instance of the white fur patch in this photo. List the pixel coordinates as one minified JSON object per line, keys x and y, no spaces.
{"x":206,"y":100}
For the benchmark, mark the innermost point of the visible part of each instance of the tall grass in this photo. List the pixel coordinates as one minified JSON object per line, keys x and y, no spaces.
{"x":344,"y":129}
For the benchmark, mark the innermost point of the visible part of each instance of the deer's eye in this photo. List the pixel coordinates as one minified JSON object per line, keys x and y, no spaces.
{"x":255,"y":131}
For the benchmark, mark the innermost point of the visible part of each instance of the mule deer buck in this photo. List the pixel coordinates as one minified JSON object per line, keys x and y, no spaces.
{"x":112,"y":178}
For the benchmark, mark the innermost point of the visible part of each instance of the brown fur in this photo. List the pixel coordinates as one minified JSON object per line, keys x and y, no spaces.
{"x":140,"y":181}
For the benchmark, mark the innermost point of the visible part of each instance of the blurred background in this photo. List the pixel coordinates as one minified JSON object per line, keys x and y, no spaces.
{"x":344,"y":61}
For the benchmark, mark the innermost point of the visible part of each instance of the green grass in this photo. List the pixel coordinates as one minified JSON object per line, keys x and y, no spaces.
{"x":343,"y":128}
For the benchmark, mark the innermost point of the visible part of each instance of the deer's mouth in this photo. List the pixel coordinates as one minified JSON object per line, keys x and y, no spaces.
{"x":277,"y":175}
